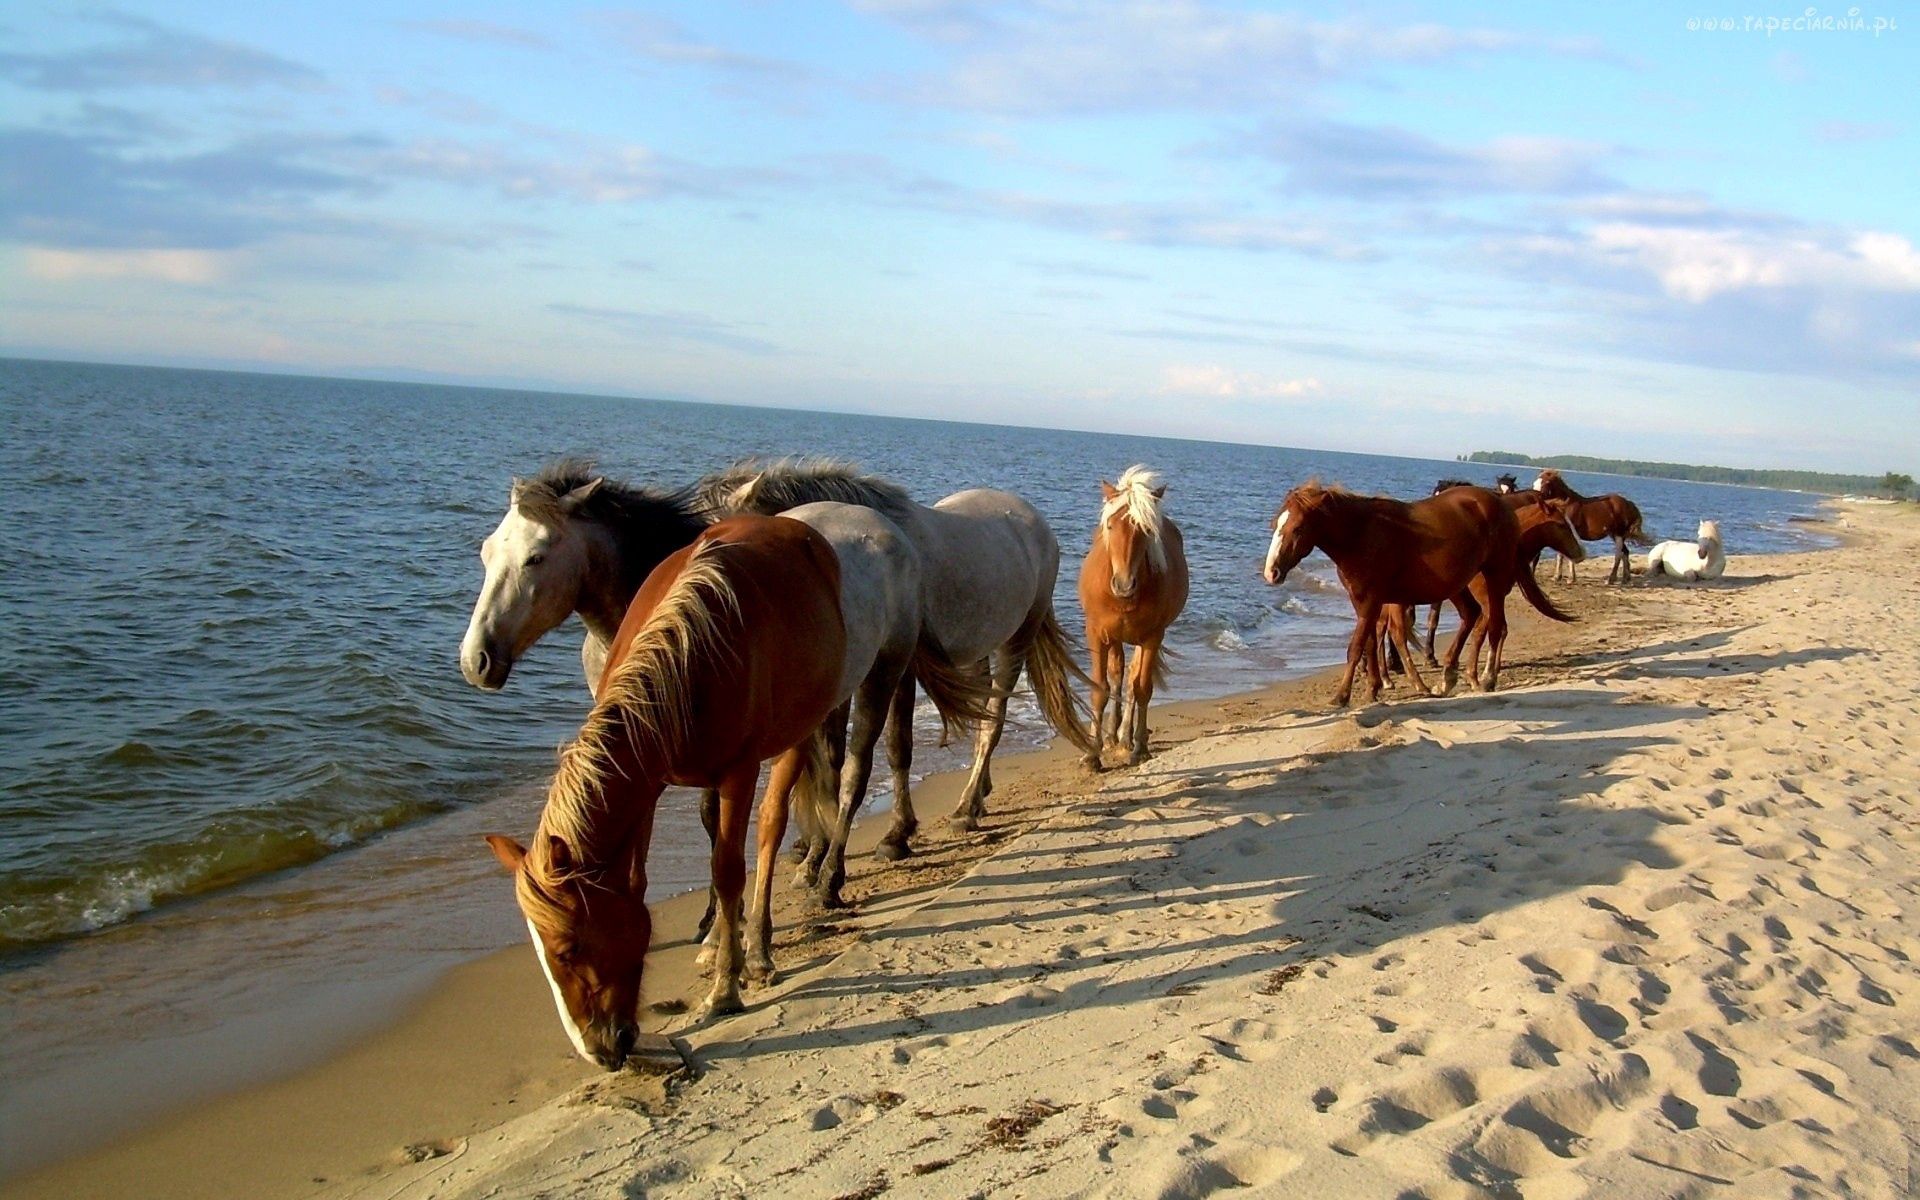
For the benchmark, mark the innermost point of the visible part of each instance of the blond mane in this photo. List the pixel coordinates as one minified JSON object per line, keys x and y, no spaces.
{"x":647,"y":705}
{"x":1134,"y":496}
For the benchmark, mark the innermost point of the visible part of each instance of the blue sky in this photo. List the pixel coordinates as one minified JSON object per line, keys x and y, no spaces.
{"x":1412,"y":229}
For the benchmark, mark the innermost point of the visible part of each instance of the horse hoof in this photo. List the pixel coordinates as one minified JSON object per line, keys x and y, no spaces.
{"x":725,"y":1006}
{"x":963,"y":823}
{"x":893,"y":850}
{"x":1342,"y":699}
{"x":762,"y":974}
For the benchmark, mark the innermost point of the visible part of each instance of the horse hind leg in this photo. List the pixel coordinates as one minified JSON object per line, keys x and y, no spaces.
{"x":973,"y":797}
{"x":897,"y":843}
{"x":1622,"y":562}
{"x":710,"y":821}
{"x":1400,"y":629}
{"x":869,"y":718}
{"x":1469,"y":610}
{"x":1109,"y":731}
{"x":1433,"y":631}
{"x":813,"y":843}
{"x":1496,"y":640}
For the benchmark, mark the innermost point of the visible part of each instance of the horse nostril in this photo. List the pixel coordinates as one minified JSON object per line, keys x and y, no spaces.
{"x":623,"y":1041}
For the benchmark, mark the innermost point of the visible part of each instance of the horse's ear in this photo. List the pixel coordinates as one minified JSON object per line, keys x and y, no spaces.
{"x":1160,"y":493}
{"x":1108,"y":490}
{"x":508,"y":851}
{"x":578,"y":496}
{"x":515,"y":486}
{"x":559,"y":854}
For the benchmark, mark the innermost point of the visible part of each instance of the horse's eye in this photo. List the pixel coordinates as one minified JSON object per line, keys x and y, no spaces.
{"x":534,"y":560}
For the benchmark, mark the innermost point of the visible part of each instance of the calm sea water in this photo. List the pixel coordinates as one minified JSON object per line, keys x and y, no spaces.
{"x":234,"y":604}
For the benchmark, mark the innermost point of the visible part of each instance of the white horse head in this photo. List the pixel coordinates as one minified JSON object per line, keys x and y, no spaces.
{"x":535,"y":561}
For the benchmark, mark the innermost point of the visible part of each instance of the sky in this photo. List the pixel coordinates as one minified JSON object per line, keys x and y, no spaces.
{"x":1415,"y":229}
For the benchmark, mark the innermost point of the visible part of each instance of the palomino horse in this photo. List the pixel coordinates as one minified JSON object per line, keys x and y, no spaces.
{"x":732,"y":653}
{"x":1391,"y":552}
{"x":990,"y":563}
{"x":1132,"y":586}
{"x":1596,"y":517}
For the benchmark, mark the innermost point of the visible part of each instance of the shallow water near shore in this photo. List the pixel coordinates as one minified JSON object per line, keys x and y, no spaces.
{"x":245,"y":780}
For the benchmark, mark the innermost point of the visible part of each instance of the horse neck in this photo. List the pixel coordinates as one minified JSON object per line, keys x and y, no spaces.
{"x":615,"y":822}
{"x":621,"y":556}
{"x":1340,"y":521}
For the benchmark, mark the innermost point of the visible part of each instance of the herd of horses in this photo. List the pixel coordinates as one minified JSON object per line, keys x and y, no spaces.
{"x":789,"y":612}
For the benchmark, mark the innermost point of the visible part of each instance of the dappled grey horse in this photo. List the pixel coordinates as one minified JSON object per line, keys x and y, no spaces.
{"x":990,"y":563}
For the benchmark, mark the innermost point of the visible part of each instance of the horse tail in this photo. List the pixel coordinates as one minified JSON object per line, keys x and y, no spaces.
{"x":816,"y":793}
{"x":1160,"y":665}
{"x":962,"y":697}
{"x":1530,"y":588}
{"x":1635,"y":533}
{"x":1052,"y":672}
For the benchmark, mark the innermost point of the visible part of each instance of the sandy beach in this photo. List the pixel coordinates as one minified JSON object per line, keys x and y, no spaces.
{"x":1642,"y":923}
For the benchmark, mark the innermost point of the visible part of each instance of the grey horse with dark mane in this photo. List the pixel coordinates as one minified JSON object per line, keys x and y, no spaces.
{"x":990,"y":562}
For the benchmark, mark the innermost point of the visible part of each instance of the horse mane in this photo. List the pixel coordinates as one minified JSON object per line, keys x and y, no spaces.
{"x":647,"y":704}
{"x":773,"y":485}
{"x":1135,"y":498}
{"x":1449,"y":484}
{"x":647,"y":522}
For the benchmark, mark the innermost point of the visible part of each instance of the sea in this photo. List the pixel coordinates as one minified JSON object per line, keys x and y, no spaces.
{"x":244,"y":780}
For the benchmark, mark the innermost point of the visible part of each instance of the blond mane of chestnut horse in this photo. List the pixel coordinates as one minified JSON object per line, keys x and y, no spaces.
{"x":1133,"y":584}
{"x":731,"y":654}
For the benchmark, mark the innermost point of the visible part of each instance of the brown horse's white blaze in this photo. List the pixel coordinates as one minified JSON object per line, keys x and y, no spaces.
{"x":730,"y":655}
{"x":1133,"y":584}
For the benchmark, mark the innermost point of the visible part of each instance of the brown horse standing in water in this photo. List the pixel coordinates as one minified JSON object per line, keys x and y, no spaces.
{"x":1391,"y":552}
{"x":1596,"y":517}
{"x":1132,"y":586}
{"x":731,"y":654}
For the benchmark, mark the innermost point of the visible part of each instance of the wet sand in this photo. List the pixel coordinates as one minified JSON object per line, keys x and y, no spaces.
{"x":1639,"y":923}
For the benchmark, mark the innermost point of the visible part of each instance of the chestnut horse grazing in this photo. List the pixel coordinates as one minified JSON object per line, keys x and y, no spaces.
{"x":1132,"y":586}
{"x":731,"y":654}
{"x":1596,"y":517}
{"x":1391,"y":552}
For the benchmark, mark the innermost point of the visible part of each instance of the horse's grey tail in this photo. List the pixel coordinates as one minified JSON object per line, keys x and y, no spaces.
{"x":1053,"y":673}
{"x":816,"y":793}
{"x":1530,"y":588}
{"x":965,"y":698}
{"x":1160,"y":665}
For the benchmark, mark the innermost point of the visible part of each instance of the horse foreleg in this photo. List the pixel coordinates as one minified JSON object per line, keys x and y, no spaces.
{"x":1622,"y":562}
{"x":1357,"y":649}
{"x":729,"y":873}
{"x":973,"y":797}
{"x":1140,"y":693}
{"x":897,"y":842}
{"x":814,"y":840}
{"x":869,"y":717}
{"x":1101,"y":693}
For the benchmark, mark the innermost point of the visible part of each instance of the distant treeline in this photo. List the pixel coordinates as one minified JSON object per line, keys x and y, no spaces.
{"x":1805,"y":481}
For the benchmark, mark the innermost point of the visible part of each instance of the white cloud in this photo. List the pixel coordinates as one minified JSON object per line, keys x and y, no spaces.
{"x":169,"y":266}
{"x":1211,"y":379}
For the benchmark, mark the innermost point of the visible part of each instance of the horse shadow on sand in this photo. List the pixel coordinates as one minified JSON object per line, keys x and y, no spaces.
{"x":1514,"y":808}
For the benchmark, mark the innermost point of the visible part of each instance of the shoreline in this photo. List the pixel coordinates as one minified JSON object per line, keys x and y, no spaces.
{"x":495,"y":1009}
{"x":483,"y":1045}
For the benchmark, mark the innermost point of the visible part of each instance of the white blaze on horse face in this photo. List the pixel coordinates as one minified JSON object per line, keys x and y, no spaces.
{"x":532,"y":581}
{"x":1537,"y":481}
{"x":559,"y":1001}
{"x":1273,"y":547}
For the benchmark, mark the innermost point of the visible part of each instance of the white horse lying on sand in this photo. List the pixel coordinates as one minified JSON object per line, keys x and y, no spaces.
{"x":1688,"y":561}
